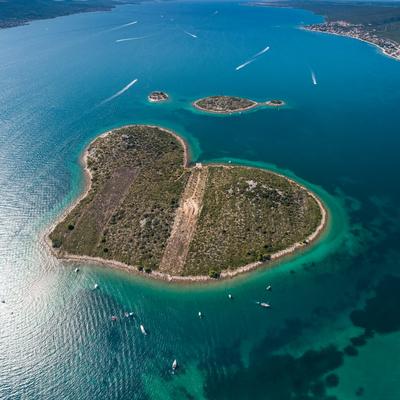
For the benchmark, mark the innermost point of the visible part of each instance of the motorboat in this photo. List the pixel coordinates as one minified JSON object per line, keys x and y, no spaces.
{"x":143,"y":330}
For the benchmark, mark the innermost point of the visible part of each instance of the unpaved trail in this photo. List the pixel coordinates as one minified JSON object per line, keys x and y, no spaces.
{"x":177,"y":247}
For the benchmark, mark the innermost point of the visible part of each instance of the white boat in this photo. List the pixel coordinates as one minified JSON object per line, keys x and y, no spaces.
{"x":230,"y":296}
{"x":314,"y":79}
{"x":174,"y":365}
{"x":143,"y":330}
{"x":131,"y":314}
{"x":76,"y":269}
{"x":96,"y":286}
{"x":262,"y":304}
{"x":269,"y":287}
{"x":200,"y":314}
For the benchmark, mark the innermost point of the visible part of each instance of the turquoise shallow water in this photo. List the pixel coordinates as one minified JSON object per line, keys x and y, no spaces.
{"x":340,"y":138}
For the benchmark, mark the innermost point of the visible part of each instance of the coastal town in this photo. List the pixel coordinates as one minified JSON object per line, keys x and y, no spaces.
{"x":358,"y":31}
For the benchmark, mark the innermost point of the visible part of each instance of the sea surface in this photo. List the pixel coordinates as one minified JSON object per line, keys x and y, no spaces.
{"x":333,"y":331}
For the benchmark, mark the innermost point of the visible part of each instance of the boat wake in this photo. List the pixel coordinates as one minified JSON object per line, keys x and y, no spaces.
{"x":123,"y":90}
{"x":245,"y":64}
{"x":261,"y":52}
{"x":125,"y":25}
{"x":191,"y":34}
{"x":314,"y":79}
{"x":252,"y":59}
{"x":130,"y":39}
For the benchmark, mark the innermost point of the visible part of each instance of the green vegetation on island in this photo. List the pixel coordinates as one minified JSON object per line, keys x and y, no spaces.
{"x":147,"y":209}
{"x":137,"y":180}
{"x":224,"y":104}
{"x":231,"y":104}
{"x":157,"y":97}
{"x":248,"y":214}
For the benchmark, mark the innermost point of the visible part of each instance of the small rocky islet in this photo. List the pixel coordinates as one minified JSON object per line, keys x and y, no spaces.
{"x":231,"y":104}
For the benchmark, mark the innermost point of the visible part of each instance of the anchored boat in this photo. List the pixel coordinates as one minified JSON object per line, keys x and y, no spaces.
{"x":143,"y":330}
{"x":262,"y":304}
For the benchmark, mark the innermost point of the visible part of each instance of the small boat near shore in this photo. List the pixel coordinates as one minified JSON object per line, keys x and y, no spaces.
{"x":230,"y":297}
{"x":269,"y":287}
{"x":200,"y":314}
{"x":96,"y":286}
{"x":175,"y":365}
{"x":263,"y":304}
{"x":76,"y":270}
{"x":114,"y":317}
{"x":143,"y":330}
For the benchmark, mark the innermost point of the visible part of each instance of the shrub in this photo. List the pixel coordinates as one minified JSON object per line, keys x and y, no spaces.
{"x":56,"y":243}
{"x":212,"y":273}
{"x":71,"y":227}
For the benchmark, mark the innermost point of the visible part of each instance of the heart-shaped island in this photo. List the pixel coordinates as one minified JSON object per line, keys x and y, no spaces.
{"x":147,"y":209}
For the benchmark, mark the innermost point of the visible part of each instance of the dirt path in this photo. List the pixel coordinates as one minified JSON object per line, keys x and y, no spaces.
{"x":186,"y":217}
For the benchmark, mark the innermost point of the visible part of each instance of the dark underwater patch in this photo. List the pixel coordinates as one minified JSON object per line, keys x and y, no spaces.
{"x":381,"y":312}
{"x":350,"y":351}
{"x":278,"y":377}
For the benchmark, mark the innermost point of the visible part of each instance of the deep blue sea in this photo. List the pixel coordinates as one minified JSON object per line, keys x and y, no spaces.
{"x":333,"y":331}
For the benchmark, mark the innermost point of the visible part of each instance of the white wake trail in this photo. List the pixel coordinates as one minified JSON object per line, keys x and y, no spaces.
{"x":122,"y":26}
{"x":131,"y":38}
{"x":191,"y":34}
{"x":245,"y":64}
{"x":128,"y":24}
{"x":252,"y":59}
{"x":123,"y":90}
{"x":314,"y":79}
{"x":261,"y":52}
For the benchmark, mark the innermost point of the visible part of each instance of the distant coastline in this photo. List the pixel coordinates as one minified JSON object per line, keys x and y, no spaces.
{"x":16,"y":13}
{"x":228,"y":273}
{"x":365,"y":22}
